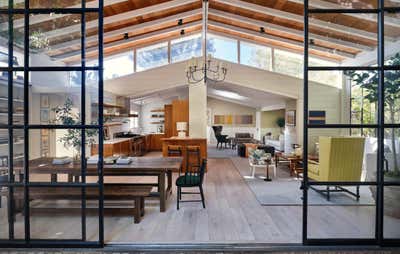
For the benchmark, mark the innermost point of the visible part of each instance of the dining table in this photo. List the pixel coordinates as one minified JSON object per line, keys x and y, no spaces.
{"x":160,"y":167}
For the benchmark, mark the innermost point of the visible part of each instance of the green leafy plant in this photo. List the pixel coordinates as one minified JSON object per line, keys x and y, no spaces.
{"x":369,"y":82}
{"x":72,"y":139}
{"x":280,"y":122}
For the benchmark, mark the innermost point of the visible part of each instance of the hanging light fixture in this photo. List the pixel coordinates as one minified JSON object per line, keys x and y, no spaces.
{"x":206,"y":69}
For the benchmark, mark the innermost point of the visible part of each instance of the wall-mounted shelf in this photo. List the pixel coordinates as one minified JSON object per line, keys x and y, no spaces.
{"x":106,"y":105}
{"x":158,"y":110}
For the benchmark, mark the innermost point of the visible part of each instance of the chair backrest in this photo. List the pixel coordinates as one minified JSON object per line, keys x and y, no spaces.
{"x":217,"y":130}
{"x":341,"y":158}
{"x":192,"y":176}
{"x":174,"y":151}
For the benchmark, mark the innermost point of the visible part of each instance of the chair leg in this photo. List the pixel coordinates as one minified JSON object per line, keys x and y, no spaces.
{"x":177,"y":198}
{"x":358,"y":193}
{"x":202,"y":196}
{"x":328,"y":195}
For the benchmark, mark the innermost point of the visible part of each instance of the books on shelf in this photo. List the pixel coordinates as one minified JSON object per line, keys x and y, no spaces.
{"x":62,"y":160}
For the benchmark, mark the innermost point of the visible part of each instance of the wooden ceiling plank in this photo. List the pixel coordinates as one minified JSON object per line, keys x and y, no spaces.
{"x":43,"y":18}
{"x":278,"y":28}
{"x":299,"y":18}
{"x":132,"y":39}
{"x":129,"y":29}
{"x":120,"y":17}
{"x":279,"y":39}
{"x":365,"y":16}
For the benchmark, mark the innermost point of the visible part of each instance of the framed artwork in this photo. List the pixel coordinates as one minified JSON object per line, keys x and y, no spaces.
{"x":44,"y":101}
{"x":317,"y":117}
{"x":44,"y":115}
{"x":44,"y":132}
{"x":233,"y":119}
{"x":291,"y":117}
{"x":45,"y":142}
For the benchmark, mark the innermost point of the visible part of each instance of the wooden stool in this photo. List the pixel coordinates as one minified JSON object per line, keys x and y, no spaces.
{"x":174,"y":151}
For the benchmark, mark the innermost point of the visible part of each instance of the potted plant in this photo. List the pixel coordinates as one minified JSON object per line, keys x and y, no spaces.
{"x":369,"y":82}
{"x":72,"y":139}
{"x":281,"y":123}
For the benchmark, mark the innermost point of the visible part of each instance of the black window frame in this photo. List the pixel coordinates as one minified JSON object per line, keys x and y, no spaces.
{"x":26,"y":127}
{"x":380,"y":127}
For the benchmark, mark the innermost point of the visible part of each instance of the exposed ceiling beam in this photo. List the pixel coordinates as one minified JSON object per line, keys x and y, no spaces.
{"x":299,"y":18}
{"x":278,"y":39}
{"x":119,"y":17}
{"x":43,"y":17}
{"x":278,"y":28}
{"x":130,"y":40}
{"x":365,"y":16}
{"x":130,"y":29}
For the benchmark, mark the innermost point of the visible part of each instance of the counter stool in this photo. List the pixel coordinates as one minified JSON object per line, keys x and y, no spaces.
{"x":174,"y":151}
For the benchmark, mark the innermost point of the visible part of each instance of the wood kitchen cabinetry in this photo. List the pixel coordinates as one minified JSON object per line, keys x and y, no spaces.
{"x":155,"y":141}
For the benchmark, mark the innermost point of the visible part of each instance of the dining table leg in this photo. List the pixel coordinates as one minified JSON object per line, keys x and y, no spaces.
{"x":162,"y":192}
{"x":169,"y":179}
{"x":53,"y":178}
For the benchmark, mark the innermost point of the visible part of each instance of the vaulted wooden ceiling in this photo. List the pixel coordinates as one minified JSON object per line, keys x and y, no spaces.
{"x":333,"y":36}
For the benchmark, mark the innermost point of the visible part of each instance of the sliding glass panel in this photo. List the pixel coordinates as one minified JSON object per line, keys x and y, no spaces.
{"x":61,"y":4}
{"x":152,"y":56}
{"x":18,"y":38}
{"x":222,"y":48}
{"x":186,"y":48}
{"x":255,"y":55}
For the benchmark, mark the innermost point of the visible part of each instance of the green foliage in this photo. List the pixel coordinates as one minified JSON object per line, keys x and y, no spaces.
{"x":280,"y":122}
{"x":65,"y":116}
{"x":369,"y":82}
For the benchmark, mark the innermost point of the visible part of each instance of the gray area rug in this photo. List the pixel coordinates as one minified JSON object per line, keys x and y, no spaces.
{"x":213,"y":152}
{"x":285,"y":190}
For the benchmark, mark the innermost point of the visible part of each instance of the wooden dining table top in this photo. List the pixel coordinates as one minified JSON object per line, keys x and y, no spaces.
{"x":138,"y":164}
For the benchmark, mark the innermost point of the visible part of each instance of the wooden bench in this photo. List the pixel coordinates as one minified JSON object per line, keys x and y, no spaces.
{"x":111,"y":192}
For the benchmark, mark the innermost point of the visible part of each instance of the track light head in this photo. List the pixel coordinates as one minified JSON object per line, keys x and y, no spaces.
{"x":126,"y":36}
{"x":183,"y":32}
{"x":180,"y":22}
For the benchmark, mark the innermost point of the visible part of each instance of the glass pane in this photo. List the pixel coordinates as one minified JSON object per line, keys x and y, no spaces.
{"x":18,"y":98}
{"x":392,"y":35}
{"x":92,"y":97}
{"x":255,"y":55}
{"x":391,"y":210}
{"x":346,"y":222}
{"x":55,"y":98}
{"x":288,"y":63}
{"x":151,"y":57}
{"x":15,"y":220}
{"x":344,"y":4}
{"x":52,"y":30}
{"x":222,"y":48}
{"x":186,"y":48}
{"x":62,"y":206}
{"x":61,"y":4}
{"x":349,"y":36}
{"x":392,"y":3}
{"x":391,"y":165}
{"x":392,"y":95}
{"x":337,"y":156}
{"x":118,"y":65}
{"x":18,"y":39}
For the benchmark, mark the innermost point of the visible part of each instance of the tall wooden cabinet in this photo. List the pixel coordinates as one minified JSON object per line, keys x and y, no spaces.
{"x":178,"y":111}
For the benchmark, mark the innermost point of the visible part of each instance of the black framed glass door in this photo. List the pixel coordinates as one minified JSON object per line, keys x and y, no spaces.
{"x":351,"y":178}
{"x":51,"y":112}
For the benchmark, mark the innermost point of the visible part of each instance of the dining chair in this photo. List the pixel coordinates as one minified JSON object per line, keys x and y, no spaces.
{"x":191,"y":178}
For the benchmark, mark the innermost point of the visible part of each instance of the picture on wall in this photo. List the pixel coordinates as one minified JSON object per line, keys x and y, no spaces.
{"x":291,"y":117}
{"x":317,"y":117}
{"x":44,"y":101}
{"x":44,"y":115}
{"x":233,"y":119}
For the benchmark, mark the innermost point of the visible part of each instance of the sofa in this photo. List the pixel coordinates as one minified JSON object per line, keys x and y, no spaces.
{"x":241,"y":138}
{"x":278,"y":144}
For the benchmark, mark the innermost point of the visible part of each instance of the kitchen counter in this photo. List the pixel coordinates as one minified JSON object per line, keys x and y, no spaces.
{"x":115,"y":141}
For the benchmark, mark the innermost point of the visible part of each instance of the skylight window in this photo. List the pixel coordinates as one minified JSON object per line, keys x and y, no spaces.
{"x":152,"y":56}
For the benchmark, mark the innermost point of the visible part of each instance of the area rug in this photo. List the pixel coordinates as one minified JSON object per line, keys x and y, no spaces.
{"x":285,"y":190}
{"x":213,"y":152}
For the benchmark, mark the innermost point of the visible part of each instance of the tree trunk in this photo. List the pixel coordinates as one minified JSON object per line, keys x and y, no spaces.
{"x":393,"y":140}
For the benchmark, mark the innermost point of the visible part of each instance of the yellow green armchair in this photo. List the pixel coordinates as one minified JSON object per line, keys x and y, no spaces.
{"x":340,"y":160}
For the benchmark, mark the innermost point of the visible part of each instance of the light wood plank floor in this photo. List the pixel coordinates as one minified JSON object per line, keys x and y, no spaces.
{"x":232,"y":215}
